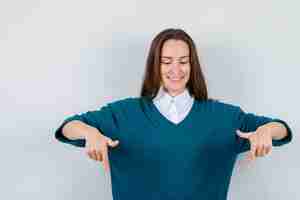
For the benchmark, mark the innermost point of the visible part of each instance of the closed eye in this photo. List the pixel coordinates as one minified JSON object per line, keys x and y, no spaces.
{"x":167,"y":63}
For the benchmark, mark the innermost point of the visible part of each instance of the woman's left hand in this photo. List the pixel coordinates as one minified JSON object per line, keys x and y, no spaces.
{"x":260,"y":141}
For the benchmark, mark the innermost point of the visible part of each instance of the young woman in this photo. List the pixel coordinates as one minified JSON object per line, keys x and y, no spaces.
{"x":172,"y":142}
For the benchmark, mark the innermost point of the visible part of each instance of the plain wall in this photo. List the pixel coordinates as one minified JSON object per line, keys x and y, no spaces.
{"x":59,"y":58}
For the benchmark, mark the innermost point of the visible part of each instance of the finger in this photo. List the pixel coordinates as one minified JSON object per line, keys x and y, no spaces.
{"x":94,"y":154}
{"x":265,"y":151}
{"x":89,"y":153}
{"x":112,"y":143}
{"x":261,"y":150}
{"x":266,"y":144}
{"x":99,"y":157}
{"x":269,"y":147}
{"x":115,"y":143}
{"x":260,"y":146}
{"x":243,"y":134}
{"x":265,"y":147}
{"x":252,"y":154}
{"x":109,"y":141}
{"x":105,"y":159}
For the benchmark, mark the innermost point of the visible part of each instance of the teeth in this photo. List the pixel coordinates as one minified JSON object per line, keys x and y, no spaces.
{"x":175,"y":79}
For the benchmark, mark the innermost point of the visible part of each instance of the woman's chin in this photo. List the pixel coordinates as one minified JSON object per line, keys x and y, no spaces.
{"x":175,"y":87}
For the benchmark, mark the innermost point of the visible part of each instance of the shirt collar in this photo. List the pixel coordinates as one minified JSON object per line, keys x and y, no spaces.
{"x":181,"y":100}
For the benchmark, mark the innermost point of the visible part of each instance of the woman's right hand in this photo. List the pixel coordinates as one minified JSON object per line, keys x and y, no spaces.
{"x":97,"y":146}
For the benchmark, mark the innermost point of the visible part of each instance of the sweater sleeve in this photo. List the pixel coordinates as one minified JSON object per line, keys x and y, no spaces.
{"x":247,"y":122}
{"x":103,"y":119}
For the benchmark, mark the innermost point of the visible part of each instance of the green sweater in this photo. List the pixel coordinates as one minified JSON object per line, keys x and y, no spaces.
{"x":157,"y":159}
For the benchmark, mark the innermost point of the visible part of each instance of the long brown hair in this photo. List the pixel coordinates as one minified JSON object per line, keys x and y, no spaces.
{"x":152,"y":79}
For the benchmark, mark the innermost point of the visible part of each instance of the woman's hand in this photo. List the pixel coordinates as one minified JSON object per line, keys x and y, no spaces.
{"x":260,"y":141}
{"x":97,"y":146}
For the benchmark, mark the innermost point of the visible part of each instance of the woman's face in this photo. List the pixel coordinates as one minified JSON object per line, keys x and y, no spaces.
{"x":175,"y":66}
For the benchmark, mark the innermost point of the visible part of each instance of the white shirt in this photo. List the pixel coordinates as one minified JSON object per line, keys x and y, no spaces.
{"x":175,"y":108}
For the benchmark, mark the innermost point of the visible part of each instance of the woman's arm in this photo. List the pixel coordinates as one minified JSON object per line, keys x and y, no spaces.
{"x":76,"y":126}
{"x":78,"y":130}
{"x":277,"y":130}
{"x":251,"y":122}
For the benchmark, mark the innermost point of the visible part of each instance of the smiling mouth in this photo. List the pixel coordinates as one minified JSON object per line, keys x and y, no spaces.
{"x":175,"y":78}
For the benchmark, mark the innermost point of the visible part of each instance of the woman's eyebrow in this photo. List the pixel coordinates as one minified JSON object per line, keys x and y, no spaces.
{"x":169,"y":57}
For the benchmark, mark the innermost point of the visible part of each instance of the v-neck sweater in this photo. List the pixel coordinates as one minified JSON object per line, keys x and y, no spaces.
{"x":158,"y":159}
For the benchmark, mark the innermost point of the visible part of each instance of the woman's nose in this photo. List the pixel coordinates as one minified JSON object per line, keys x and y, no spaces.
{"x":175,"y":67}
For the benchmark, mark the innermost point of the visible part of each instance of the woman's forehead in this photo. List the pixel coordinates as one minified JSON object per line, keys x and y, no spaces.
{"x":174,"y":52}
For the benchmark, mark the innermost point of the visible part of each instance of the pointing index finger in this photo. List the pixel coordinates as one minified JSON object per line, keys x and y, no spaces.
{"x":105,"y":159}
{"x":252,"y":150}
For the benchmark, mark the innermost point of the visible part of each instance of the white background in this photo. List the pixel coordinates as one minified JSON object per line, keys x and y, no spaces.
{"x":59,"y":58}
